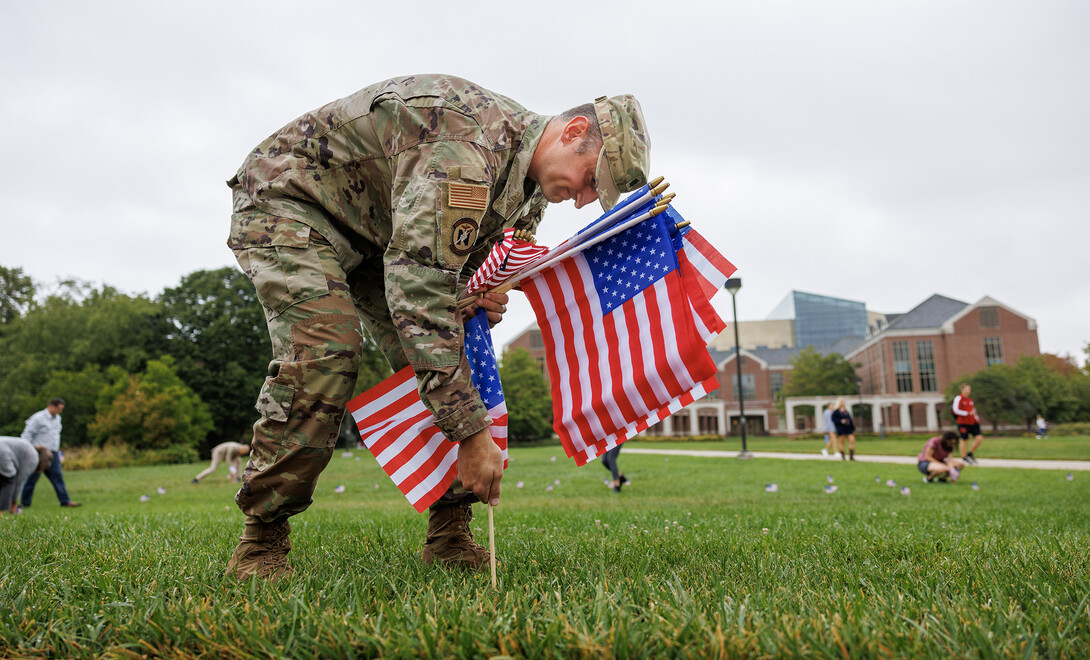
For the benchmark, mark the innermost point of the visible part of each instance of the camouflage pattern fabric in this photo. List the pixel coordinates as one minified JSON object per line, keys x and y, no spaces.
{"x":625,"y":156}
{"x":374,"y":173}
{"x":373,"y":209}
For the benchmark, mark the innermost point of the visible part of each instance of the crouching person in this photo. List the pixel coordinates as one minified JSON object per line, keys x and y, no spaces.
{"x":372,"y":213}
{"x":18,"y":460}
{"x":936,"y":462}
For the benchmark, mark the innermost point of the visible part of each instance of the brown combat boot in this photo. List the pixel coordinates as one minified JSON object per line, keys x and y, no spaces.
{"x":262,"y":551}
{"x":450,"y":539}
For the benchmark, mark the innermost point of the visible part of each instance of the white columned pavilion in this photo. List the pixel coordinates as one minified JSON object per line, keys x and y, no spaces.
{"x":877,"y":403}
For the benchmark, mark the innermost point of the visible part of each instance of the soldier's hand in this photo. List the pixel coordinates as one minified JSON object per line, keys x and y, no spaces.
{"x":480,"y":466}
{"x":494,"y":304}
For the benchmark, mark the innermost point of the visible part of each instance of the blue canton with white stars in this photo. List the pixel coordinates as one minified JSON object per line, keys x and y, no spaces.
{"x":631,"y":261}
{"x":482,"y":360}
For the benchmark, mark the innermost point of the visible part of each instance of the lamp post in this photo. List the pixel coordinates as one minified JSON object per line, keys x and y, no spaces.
{"x":733,"y":285}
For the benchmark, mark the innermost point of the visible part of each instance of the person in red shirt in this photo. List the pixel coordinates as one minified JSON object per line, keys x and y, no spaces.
{"x":935,"y":461}
{"x":968,"y":423}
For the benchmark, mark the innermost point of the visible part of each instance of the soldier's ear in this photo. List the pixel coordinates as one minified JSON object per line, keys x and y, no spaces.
{"x":575,"y":129}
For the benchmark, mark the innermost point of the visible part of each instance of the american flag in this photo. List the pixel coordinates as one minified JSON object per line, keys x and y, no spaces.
{"x":508,"y":255}
{"x":705,"y":271}
{"x":402,"y":434}
{"x":622,"y":347}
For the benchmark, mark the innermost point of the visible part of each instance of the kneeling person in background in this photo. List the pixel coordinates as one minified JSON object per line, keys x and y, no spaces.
{"x":229,"y":453}
{"x":936,"y":462}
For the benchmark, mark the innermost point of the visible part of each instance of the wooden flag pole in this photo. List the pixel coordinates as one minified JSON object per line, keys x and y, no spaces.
{"x":492,"y":545}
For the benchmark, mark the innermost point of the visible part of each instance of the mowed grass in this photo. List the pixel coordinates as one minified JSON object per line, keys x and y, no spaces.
{"x":693,"y":559}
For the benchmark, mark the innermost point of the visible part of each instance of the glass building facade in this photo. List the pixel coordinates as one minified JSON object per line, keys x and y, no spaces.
{"x":821,"y":320}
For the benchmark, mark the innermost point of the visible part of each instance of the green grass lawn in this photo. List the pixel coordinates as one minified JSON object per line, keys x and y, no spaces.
{"x":1026,"y":447}
{"x":693,"y":559}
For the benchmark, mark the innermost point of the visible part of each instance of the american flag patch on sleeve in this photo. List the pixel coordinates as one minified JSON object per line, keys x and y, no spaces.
{"x":467,"y":196}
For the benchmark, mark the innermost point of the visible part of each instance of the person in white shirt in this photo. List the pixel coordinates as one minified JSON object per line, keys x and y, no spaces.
{"x":43,"y":429}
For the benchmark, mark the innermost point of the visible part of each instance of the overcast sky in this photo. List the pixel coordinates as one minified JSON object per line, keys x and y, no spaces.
{"x":875,"y":151}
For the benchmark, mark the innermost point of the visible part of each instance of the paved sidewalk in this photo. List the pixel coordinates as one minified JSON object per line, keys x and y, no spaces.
{"x":864,"y":458}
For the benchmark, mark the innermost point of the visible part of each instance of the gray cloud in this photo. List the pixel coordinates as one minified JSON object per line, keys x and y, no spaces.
{"x":874,"y":151}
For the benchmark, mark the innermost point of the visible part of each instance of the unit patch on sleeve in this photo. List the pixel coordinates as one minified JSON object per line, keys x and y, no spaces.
{"x":462,"y":236}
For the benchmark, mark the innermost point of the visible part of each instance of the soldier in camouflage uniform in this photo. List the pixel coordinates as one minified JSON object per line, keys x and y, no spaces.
{"x":378,"y":207}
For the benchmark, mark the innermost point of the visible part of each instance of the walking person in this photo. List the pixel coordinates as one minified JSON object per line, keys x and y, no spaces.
{"x":609,"y":460}
{"x":968,"y":423}
{"x":845,"y":430}
{"x":43,"y":429}
{"x":375,"y":210}
{"x":18,"y":460}
{"x":1042,"y":427}
{"x":936,"y":461}
{"x":230,"y":453}
{"x":830,"y":429}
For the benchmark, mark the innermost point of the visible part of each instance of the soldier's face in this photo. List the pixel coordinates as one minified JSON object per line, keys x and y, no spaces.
{"x":570,"y":175}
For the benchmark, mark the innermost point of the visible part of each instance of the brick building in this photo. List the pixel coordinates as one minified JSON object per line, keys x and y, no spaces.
{"x":907,"y":360}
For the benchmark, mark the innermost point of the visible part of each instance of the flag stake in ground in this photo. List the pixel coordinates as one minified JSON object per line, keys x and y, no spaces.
{"x":492,"y":544}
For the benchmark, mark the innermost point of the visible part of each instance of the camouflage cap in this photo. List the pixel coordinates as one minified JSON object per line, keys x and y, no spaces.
{"x":625,"y":156}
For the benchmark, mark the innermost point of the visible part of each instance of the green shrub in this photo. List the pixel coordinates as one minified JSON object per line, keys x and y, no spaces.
{"x":115,"y":455}
{"x":169,"y":456}
{"x":1072,"y":429}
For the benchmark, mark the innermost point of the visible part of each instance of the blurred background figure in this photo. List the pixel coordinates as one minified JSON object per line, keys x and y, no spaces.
{"x":830,"y":430}
{"x":845,"y":429}
{"x":229,"y":453}
{"x":43,"y":429}
{"x":609,"y":460}
{"x":18,"y":460}
{"x":1042,"y":427}
{"x":936,"y":462}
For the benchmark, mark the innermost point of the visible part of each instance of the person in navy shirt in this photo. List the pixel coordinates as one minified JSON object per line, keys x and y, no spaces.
{"x":845,"y":429}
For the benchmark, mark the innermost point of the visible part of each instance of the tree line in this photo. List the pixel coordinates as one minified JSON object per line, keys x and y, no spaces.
{"x":170,"y":376}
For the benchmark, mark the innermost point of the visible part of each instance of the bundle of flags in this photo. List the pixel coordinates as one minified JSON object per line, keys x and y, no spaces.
{"x":626,"y":323}
{"x":624,"y":309}
{"x":402,"y":433}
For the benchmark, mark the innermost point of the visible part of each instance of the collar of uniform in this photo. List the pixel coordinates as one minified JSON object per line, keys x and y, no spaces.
{"x":514,"y":193}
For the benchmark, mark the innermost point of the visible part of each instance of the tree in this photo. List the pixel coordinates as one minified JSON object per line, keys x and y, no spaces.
{"x":529,"y":405}
{"x":814,"y":374}
{"x":80,"y":391}
{"x":1050,"y":390}
{"x":75,"y":326}
{"x":16,"y":293}
{"x":153,"y":410}
{"x":1000,"y":395}
{"x":214,"y":327}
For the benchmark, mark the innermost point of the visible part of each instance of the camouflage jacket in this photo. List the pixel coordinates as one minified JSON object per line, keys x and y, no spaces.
{"x":412,"y":180}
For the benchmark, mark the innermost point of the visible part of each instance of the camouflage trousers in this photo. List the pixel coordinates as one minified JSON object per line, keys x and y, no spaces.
{"x":317,"y":340}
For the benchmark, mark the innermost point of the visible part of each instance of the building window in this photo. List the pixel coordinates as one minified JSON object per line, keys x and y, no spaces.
{"x":749,"y":389}
{"x":536,"y":340}
{"x":775,"y":381}
{"x":541,"y":364}
{"x":902,"y":366}
{"x":993,"y":351}
{"x":925,"y":361}
{"x":989,"y":317}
